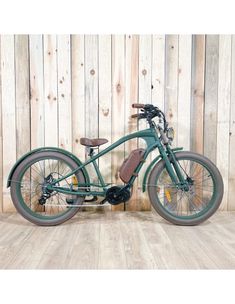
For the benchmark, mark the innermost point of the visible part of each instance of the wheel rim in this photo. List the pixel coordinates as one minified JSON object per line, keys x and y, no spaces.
{"x":186,"y":204}
{"x":29,"y":188}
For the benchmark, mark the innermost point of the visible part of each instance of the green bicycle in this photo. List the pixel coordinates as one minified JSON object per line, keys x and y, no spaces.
{"x":49,"y":185}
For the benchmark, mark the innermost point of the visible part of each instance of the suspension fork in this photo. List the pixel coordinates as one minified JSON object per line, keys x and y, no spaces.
{"x":175,"y":175}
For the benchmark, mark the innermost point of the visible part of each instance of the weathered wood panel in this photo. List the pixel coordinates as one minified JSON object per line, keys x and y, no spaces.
{"x":91,"y":91}
{"x":105,"y":101}
{"x":184,"y":90}
{"x":64,"y":92}
{"x":56,"y":89}
{"x":9,"y":114}
{"x":118,"y":106}
{"x":50,"y":90}
{"x":158,"y":70}
{"x":223,"y":115}
{"x":132,"y":89}
{"x":22,"y":95}
{"x":197,"y":112}
{"x":1,"y":158}
{"x":231,"y":167}
{"x":78,"y":93}
{"x":171,"y":85}
{"x":211,"y":96}
{"x":36,"y":91}
{"x":145,"y":96}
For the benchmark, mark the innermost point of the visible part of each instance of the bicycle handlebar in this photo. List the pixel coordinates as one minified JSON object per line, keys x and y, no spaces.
{"x":149,"y":111}
{"x":138,"y":105}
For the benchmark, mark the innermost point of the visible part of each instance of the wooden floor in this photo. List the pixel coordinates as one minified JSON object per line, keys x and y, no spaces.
{"x":117,"y":240}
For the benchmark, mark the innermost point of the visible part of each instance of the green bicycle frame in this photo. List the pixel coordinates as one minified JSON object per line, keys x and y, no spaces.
{"x":152,"y":140}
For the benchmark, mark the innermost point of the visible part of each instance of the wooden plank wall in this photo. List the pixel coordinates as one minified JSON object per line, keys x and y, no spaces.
{"x":55,"y":89}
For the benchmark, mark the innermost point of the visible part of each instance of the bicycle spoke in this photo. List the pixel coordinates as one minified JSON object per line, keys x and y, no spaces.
{"x":31,"y":187}
{"x":188,"y":202}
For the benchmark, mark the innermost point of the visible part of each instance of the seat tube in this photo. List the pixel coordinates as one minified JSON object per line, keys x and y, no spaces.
{"x":97,"y":170}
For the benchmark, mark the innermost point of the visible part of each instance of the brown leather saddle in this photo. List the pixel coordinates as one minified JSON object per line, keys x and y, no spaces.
{"x":94,"y":142}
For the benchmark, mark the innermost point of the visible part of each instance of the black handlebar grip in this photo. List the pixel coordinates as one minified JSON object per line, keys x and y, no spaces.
{"x":138,"y":105}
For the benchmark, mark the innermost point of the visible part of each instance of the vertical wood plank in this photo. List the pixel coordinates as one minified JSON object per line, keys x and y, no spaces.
{"x":78,"y":97}
{"x":198,"y":94}
{"x":105,"y":99}
{"x":1,"y":159}
{"x":145,"y":96}
{"x":64,"y":92}
{"x":211,"y":96}
{"x":50,"y":90}
{"x":22,"y":95}
{"x":91,"y":86}
{"x":9,"y":117}
{"x":36,"y":91}
{"x":223,"y":113}
{"x":231,"y":176}
{"x":184,"y":90}
{"x":171,"y":88}
{"x":145,"y":69}
{"x":158,"y":71}
{"x":91,"y":91}
{"x":118,"y":105}
{"x":132,"y":81}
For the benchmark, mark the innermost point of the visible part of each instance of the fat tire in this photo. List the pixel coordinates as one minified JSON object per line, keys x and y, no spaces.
{"x":171,"y":218}
{"x":18,"y":205}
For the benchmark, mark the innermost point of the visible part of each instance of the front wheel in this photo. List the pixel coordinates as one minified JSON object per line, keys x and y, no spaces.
{"x":189,"y":206}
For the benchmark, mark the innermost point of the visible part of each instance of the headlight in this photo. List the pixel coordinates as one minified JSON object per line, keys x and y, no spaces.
{"x":170,"y":133}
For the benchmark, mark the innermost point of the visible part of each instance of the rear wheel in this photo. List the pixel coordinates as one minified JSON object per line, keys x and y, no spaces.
{"x":27,"y":184}
{"x":191,"y":206}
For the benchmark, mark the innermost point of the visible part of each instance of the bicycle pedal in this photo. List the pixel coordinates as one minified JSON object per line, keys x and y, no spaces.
{"x":94,"y":199}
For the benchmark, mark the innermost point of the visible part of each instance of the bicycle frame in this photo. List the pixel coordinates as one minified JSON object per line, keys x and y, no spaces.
{"x":152,"y":140}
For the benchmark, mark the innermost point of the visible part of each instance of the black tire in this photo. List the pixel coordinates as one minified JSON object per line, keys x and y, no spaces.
{"x":17,"y":197}
{"x":204,"y":214}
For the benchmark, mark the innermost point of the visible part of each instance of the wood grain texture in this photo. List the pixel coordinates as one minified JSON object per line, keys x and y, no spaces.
{"x":117,"y":240}
{"x":118,"y":106}
{"x":158,"y":70}
{"x":105,"y":101}
{"x":145,"y":96}
{"x":78,"y":93}
{"x":231,"y":168}
{"x":171,"y":85}
{"x":91,"y":92}
{"x":223,"y":115}
{"x":91,"y":85}
{"x":1,"y":158}
{"x":36,"y":91}
{"x":211,"y":96}
{"x":50,"y":90}
{"x":22,"y":95}
{"x":184,"y":91}
{"x":132,"y":96}
{"x":9,"y":114}
{"x":197,"y":111}
{"x":64,"y":92}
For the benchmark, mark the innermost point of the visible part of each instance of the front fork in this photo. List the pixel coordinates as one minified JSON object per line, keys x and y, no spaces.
{"x":176,"y":173}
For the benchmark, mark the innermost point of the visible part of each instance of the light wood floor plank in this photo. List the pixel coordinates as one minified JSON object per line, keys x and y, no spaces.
{"x":117,"y":240}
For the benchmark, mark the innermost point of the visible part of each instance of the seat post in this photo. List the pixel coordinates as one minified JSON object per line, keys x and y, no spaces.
{"x":90,"y":151}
